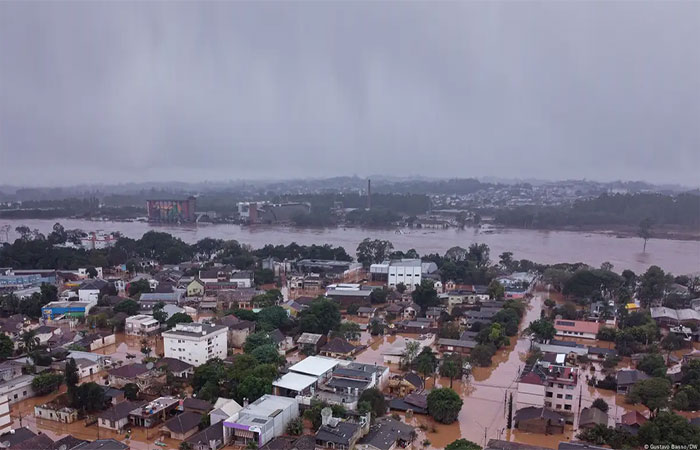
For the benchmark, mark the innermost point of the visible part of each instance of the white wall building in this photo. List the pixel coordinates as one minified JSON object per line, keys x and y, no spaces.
{"x":5,"y":420}
{"x":406,"y":271}
{"x":141,"y":325}
{"x":196,"y":343}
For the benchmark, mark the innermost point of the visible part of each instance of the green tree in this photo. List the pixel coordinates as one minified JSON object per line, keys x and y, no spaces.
{"x":349,"y":331}
{"x":601,"y":404}
{"x":669,"y":428}
{"x":184,"y":445}
{"x":451,"y":366}
{"x":425,"y":295}
{"x":373,"y":251}
{"x":375,"y":400}
{"x":426,"y":362}
{"x":652,"y":286}
{"x":71,"y":372}
{"x":444,"y":405}
{"x":644,"y":231}
{"x":542,"y":329}
{"x":409,"y":354}
{"x":139,"y":286}
{"x":267,"y":354}
{"x":46,"y":383}
{"x":376,"y":328}
{"x":255,"y":340}
{"x":462,"y":444}
{"x":252,"y":388}
{"x":652,"y":393}
{"x":29,"y":341}
{"x":482,"y":354}
{"x":7,"y":347}
{"x":653,"y":364}
{"x":496,"y":290}
{"x":178,"y":318}
{"x":295,"y":427}
{"x":128,"y":307}
{"x":400,"y":288}
{"x":88,"y":397}
{"x":320,"y":317}
{"x":131,"y":391}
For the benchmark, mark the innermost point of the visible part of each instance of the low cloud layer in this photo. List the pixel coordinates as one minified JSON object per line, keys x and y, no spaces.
{"x":116,"y":91}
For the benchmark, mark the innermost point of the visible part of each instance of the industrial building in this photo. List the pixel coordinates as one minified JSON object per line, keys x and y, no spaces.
{"x":181,"y":210}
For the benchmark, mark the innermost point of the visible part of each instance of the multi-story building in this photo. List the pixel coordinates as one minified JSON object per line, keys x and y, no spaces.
{"x":5,"y":420}
{"x":409,"y":272}
{"x":141,"y":325}
{"x":172,"y":210}
{"x":196,"y":343}
{"x":547,"y":385}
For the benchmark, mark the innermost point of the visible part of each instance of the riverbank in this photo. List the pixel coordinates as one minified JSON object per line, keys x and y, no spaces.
{"x":546,"y":247}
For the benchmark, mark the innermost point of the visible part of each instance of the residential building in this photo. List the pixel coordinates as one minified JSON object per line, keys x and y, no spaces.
{"x":196,"y":343}
{"x":141,"y":325}
{"x":116,"y":417}
{"x":210,"y":438}
{"x":631,"y":422}
{"x":180,"y":369}
{"x":668,"y":317}
{"x":347,"y":294}
{"x":261,"y":421}
{"x":197,"y":405}
{"x":310,"y":343}
{"x":182,"y":426}
{"x":552,"y":386}
{"x":86,"y":367}
{"x":539,"y":420}
{"x":367,"y":312}
{"x":223,"y":409}
{"x":238,"y":330}
{"x":90,"y":290}
{"x":136,"y":373}
{"x":576,"y":328}
{"x":5,"y":419}
{"x":56,"y":411}
{"x":590,"y":417}
{"x":153,"y":413}
{"x":387,"y":433}
{"x":338,"y":348}
{"x":17,"y":389}
{"x":628,"y":378}
{"x":339,"y":434}
{"x":195,"y":288}
{"x":148,"y":301}
{"x":242,"y":278}
{"x":463,"y":347}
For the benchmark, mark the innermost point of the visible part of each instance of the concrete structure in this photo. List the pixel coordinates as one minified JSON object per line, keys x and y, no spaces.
{"x":5,"y":420}
{"x":90,"y":290}
{"x":117,"y":417}
{"x":576,"y":328}
{"x":56,"y":412}
{"x":65,"y":309}
{"x":261,"y":421}
{"x":141,"y":325}
{"x":136,"y":373}
{"x":551,"y":386}
{"x":628,"y":378}
{"x":350,"y":294}
{"x":196,"y":343}
{"x":182,"y":426}
{"x":405,"y":271}
{"x":154,"y":412}
{"x":223,"y":409}
{"x":539,"y":420}
{"x":17,"y":389}
{"x":178,"y":210}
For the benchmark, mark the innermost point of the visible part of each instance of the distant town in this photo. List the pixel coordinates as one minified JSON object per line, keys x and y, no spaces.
{"x":115,"y":343}
{"x":628,"y":208}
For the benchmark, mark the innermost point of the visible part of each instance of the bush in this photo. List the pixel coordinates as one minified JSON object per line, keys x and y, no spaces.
{"x":46,"y":383}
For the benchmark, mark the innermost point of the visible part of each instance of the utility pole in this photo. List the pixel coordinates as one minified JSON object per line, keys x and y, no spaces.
{"x":485,"y":431}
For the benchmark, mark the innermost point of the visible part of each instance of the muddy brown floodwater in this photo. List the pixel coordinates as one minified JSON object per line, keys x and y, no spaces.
{"x":485,"y":394}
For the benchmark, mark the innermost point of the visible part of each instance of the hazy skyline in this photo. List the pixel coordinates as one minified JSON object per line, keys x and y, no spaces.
{"x":118,"y":92}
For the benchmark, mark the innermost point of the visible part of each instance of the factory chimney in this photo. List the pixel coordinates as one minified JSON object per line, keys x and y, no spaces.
{"x":369,"y":194}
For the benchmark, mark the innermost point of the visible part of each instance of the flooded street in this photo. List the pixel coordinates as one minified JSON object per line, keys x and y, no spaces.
{"x":547,"y":247}
{"x":485,"y":394}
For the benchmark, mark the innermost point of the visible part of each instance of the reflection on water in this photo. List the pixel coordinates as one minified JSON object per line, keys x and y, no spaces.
{"x":540,"y":246}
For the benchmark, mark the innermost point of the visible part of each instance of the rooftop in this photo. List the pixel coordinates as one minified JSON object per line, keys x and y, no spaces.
{"x":294,"y":381}
{"x":314,"y":365}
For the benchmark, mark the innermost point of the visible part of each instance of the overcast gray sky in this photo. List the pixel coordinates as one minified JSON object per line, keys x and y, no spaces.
{"x":109,"y":92}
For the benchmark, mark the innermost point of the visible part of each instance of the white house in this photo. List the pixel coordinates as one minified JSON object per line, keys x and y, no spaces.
{"x":89,"y":291}
{"x":141,"y":325}
{"x":196,"y":343}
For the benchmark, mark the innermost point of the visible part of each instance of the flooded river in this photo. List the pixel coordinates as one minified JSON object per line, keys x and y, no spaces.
{"x":676,"y":256}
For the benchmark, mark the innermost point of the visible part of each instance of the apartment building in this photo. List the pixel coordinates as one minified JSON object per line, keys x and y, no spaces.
{"x":196,"y":343}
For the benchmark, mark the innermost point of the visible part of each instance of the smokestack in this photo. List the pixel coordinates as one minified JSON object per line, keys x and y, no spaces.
{"x":369,"y":194}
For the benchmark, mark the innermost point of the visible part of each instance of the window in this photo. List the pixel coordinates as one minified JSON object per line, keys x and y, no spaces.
{"x":548,"y":395}
{"x":561,"y":386}
{"x":569,"y":396}
{"x":567,"y":407}
{"x":559,"y":396}
{"x":558,"y":406}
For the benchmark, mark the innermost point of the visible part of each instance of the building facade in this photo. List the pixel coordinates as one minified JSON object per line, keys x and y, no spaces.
{"x":196,"y":343}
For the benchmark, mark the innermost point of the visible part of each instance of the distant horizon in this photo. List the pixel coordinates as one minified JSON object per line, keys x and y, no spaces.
{"x":384,"y":179}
